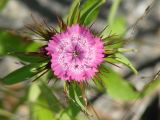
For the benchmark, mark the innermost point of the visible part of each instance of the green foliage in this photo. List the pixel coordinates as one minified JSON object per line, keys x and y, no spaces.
{"x":31,"y":57}
{"x":41,"y":110}
{"x":119,"y":58}
{"x":149,"y":88}
{"x":44,"y":104}
{"x":117,"y":27}
{"x":12,"y":43}
{"x":116,"y":24}
{"x":76,"y":99}
{"x":116,"y":86}
{"x":73,"y":12}
{"x":113,"y":11}
{"x":65,"y":116}
{"x":90,"y":10}
{"x":22,"y":74}
{"x":86,"y":13}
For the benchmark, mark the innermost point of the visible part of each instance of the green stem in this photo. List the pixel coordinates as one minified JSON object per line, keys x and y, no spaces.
{"x":113,"y":11}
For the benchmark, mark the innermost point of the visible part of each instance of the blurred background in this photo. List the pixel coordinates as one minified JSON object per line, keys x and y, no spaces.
{"x":140,"y":19}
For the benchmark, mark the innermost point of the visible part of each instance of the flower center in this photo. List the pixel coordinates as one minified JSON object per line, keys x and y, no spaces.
{"x":76,"y":53}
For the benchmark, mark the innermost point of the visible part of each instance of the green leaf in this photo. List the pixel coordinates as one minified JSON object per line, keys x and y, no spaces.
{"x":73,"y":12}
{"x":111,"y":59}
{"x":3,"y":3}
{"x":99,"y":84}
{"x":89,"y":11}
{"x":34,"y":46}
{"x":65,"y":116}
{"x":41,"y":111}
{"x":149,"y":88}
{"x":50,"y":98}
{"x":47,"y":106}
{"x":122,"y":59}
{"x":116,"y":86}
{"x":14,"y":43}
{"x":117,"y":27}
{"x":115,"y":24}
{"x":31,"y":57}
{"x":76,"y":100}
{"x":22,"y":74}
{"x":113,"y":43}
{"x":74,"y":108}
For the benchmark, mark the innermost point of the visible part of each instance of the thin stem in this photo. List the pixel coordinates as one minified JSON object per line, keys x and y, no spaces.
{"x":113,"y":11}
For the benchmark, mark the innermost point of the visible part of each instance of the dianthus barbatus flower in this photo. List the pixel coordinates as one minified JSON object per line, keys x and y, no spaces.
{"x":75,"y":53}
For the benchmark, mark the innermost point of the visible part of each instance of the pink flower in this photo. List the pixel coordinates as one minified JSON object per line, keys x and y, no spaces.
{"x":75,"y":53}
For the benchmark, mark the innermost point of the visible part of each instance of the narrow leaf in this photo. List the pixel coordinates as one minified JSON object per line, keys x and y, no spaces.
{"x":73,"y":12}
{"x":21,"y":74}
{"x":113,"y":11}
{"x":32,"y":57}
{"x":11,"y":42}
{"x":76,"y":99}
{"x":89,"y":11}
{"x":122,"y":59}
